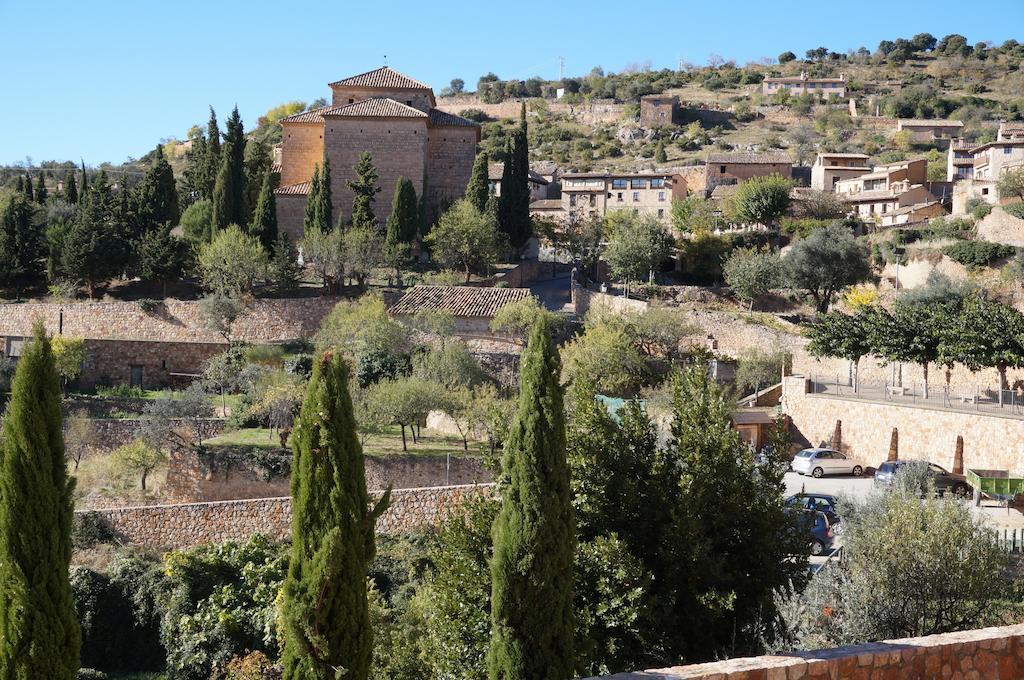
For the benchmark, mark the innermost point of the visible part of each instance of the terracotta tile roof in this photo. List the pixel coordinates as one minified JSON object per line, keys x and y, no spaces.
{"x":376,"y":107}
{"x":930,"y":122}
{"x":724,"y":191}
{"x":441,"y":118}
{"x":766,"y":158}
{"x":300,"y":189}
{"x":825,"y":154}
{"x":798,"y":79}
{"x":546,"y":204}
{"x":384,"y":77}
{"x":311,"y":116}
{"x":495,"y":171}
{"x":458,"y":300}
{"x":275,"y":167}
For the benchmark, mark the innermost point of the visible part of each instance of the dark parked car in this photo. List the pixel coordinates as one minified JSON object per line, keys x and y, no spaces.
{"x":816,"y":501}
{"x":945,"y":481}
{"x":818,"y":528}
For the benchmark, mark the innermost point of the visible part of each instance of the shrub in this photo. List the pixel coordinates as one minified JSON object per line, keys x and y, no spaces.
{"x":299,"y":364}
{"x":949,"y":228}
{"x":91,"y":528}
{"x":801,"y":227}
{"x":375,"y":366}
{"x":121,"y":392}
{"x":980,"y":210}
{"x":1015,"y":209}
{"x":977,"y":253}
{"x":474,"y":115}
{"x":90,"y":674}
{"x":149,"y":305}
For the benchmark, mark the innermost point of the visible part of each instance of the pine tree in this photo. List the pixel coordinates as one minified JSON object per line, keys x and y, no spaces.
{"x":21,"y":243}
{"x":156,"y":197}
{"x":532,"y":567}
{"x":324,"y":214}
{"x":309,"y":221}
{"x":264,"y":216}
{"x":284,"y":266}
{"x":514,"y":202}
{"x":70,"y":187}
{"x":41,"y":192}
{"x":659,"y":153}
{"x":29,"y":192}
{"x":325,"y":615}
{"x":39,"y":635}
{"x":479,"y":188}
{"x":365,"y":187}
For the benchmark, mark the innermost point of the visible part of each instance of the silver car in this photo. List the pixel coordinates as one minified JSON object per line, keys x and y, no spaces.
{"x":821,"y":462}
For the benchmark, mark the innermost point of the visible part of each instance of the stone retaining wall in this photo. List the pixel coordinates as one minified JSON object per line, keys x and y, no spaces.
{"x":113,"y":432}
{"x":176,"y":527}
{"x":990,"y":441}
{"x":192,"y":478}
{"x":985,"y":654}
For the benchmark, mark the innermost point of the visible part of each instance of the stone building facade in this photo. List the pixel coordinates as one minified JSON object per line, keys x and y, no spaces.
{"x":659,"y":109}
{"x":126,"y":344}
{"x":394,"y":118}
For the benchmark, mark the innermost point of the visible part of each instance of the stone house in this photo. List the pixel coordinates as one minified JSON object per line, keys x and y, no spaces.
{"x":472,"y":307}
{"x":830,"y":168}
{"x":959,"y":161}
{"x":597,"y":193}
{"x":170,"y":345}
{"x":659,"y":109}
{"x":912,"y":214}
{"x":822,"y":87}
{"x":926,"y":131}
{"x":394,"y":118}
{"x":539,"y":185}
{"x":732,"y":168}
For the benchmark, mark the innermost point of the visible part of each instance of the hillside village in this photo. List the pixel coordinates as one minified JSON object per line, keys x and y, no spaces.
{"x":717,"y":365}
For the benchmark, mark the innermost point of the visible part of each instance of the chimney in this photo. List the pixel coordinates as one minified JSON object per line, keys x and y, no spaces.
{"x":712,"y":343}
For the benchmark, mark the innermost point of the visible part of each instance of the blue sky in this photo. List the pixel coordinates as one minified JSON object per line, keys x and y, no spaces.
{"x":107,"y":79}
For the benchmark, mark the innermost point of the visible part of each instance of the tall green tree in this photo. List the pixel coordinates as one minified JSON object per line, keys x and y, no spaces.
{"x":479,"y":188}
{"x":323,"y":208}
{"x":161,"y":257}
{"x":534,"y":536}
{"x":229,"y":194}
{"x":514,"y":202}
{"x":83,"y":186}
{"x":94,"y":248}
{"x":211,"y":162}
{"x":401,"y":227}
{"x":310,"y":220}
{"x":156,"y":197}
{"x":70,"y":187}
{"x":264,"y":216}
{"x":825,"y":262}
{"x":29,"y":191}
{"x":21,"y":244}
{"x":846,"y":336}
{"x":258,"y":160}
{"x":325,"y":614}
{"x":41,"y":189}
{"x":39,"y":634}
{"x":365,"y":186}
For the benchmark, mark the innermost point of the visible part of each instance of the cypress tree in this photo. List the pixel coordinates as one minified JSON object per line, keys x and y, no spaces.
{"x":479,"y":188}
{"x":156,"y":198}
{"x":532,"y":567}
{"x":325,"y":613}
{"x":211,"y":162}
{"x":84,"y":185}
{"x":70,"y":188}
{"x":19,"y":186}
{"x":229,"y":188}
{"x":41,"y":189}
{"x":39,"y":635}
{"x":404,"y":213}
{"x":309,"y":221}
{"x":29,"y":193}
{"x":365,"y":188}
{"x":659,"y":153}
{"x":264,"y":216}
{"x":514,"y":202}
{"x":324,"y":211}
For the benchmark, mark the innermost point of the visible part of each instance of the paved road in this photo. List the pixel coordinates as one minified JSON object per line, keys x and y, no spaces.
{"x":553,"y":293}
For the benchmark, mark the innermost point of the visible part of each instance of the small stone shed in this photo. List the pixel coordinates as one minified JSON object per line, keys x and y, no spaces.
{"x":473,"y":307}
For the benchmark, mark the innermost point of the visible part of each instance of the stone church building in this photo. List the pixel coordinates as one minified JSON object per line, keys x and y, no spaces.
{"x":394,"y":118}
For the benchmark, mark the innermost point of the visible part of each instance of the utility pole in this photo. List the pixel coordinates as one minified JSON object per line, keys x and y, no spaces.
{"x":561,"y":69}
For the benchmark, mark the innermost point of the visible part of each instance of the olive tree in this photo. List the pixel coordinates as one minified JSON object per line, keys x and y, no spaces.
{"x":826,"y":262}
{"x":637,"y":247}
{"x":751,"y":273}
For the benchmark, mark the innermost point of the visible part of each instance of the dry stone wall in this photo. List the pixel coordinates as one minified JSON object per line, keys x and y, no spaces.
{"x":217,"y":476}
{"x":182,"y":526}
{"x":984,"y":654}
{"x":114,"y":432}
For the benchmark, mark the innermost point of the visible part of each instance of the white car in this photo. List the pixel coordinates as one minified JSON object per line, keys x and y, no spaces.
{"x":820,"y":462}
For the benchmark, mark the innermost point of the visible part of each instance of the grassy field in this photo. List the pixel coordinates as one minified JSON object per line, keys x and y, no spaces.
{"x":430,"y":443}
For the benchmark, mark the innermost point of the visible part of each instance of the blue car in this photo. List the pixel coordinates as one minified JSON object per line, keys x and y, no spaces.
{"x":819,"y":529}
{"x":822,"y":502}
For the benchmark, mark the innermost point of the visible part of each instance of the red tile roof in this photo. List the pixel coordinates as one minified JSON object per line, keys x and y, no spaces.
{"x":440,"y":118}
{"x":458,"y":300}
{"x":765,"y":157}
{"x":384,"y":77}
{"x":375,"y":107}
{"x":311,"y":116}
{"x":300,"y":189}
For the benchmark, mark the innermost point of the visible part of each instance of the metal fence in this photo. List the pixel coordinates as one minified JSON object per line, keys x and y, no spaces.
{"x":956,"y":397}
{"x":1011,"y":539}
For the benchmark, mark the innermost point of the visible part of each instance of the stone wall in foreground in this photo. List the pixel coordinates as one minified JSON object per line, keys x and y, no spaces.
{"x":985,"y":654}
{"x":165,"y":527}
